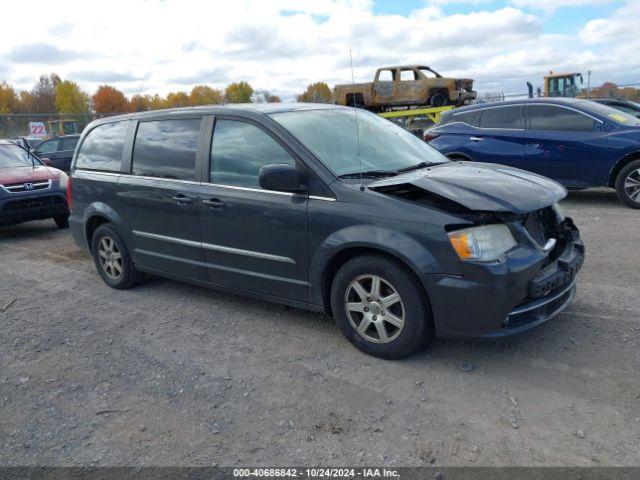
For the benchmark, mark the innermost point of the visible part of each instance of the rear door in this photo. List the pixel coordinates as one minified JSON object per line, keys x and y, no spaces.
{"x":254,"y":239}
{"x":565,"y":144}
{"x":158,"y":199}
{"x":499,"y":136}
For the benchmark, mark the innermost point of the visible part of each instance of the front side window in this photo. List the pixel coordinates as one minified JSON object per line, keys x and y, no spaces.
{"x":239,"y":150}
{"x":102,"y":147}
{"x":385,"y":76}
{"x":550,"y":117}
{"x":68,"y":143}
{"x":349,"y":141}
{"x":502,"y":117}
{"x":49,"y":146}
{"x":14,"y":156}
{"x":166,"y":149}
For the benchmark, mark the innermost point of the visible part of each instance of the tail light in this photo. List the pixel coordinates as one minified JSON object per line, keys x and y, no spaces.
{"x":428,"y":136}
{"x":69,"y":202}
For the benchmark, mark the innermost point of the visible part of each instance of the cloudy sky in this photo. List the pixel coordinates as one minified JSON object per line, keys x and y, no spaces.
{"x":148,"y":46}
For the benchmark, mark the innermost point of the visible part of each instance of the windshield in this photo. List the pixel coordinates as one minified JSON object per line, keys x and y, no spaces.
{"x":610,"y":113}
{"x":332,"y":136}
{"x":14,"y":156}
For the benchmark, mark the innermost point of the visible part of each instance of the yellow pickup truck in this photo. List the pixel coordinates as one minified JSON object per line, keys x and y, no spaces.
{"x":402,"y":86}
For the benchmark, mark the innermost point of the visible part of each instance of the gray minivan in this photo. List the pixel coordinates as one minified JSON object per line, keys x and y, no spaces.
{"x":325,"y":208}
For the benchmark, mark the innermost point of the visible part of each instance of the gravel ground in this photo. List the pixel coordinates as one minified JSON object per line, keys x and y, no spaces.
{"x":172,"y":374}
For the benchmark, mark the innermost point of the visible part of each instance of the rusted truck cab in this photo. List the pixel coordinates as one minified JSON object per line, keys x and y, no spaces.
{"x":406,"y":86}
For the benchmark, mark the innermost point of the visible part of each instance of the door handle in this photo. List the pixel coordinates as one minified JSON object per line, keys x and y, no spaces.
{"x":533,"y":145}
{"x":213,"y":204}
{"x":181,"y":199}
{"x":476,"y":139}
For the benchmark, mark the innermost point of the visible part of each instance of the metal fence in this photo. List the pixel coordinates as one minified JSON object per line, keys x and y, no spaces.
{"x":15,"y":125}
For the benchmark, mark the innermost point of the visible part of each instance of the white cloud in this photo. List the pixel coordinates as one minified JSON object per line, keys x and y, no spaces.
{"x":551,"y":5}
{"x":282,"y":45}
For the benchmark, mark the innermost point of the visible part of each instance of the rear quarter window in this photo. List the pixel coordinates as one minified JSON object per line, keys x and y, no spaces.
{"x":102,"y":147}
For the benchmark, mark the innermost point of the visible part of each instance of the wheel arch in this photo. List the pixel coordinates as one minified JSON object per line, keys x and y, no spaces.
{"x":620,"y":164}
{"x":98,"y":214}
{"x":342,"y":256}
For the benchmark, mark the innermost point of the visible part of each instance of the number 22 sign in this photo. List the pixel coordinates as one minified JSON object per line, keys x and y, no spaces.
{"x":37,"y":129}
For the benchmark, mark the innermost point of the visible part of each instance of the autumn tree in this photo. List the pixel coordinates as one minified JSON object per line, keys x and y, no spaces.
{"x":177,"y":99}
{"x":27,"y":102}
{"x":110,"y":100}
{"x":70,"y":98}
{"x":155,"y":101}
{"x":44,"y":93}
{"x":139,"y":103}
{"x":318,"y":92}
{"x":9,"y":102}
{"x":238,"y":92}
{"x":205,"y":95}
{"x":271,"y":98}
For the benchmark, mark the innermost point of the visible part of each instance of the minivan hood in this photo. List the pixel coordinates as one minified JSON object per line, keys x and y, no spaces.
{"x":482,"y":186}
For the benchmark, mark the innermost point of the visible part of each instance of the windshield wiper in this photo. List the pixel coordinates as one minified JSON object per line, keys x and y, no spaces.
{"x":369,"y":174}
{"x":417,"y":166}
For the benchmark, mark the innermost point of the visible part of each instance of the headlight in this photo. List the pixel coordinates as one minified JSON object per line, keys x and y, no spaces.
{"x":482,"y":244}
{"x":63,"y":180}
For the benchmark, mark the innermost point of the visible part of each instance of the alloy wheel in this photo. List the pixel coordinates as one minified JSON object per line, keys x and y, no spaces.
{"x":632,"y":185}
{"x":110,"y":257}
{"x":374,"y":309}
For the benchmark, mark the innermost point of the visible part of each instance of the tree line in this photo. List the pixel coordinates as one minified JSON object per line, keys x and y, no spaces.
{"x":52,"y":94}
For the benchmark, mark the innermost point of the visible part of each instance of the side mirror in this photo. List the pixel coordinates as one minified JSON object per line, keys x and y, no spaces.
{"x":281,"y":177}
{"x":46,"y":161}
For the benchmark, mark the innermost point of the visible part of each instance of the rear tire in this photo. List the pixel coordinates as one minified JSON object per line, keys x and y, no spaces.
{"x":62,"y":221}
{"x":112,"y":259}
{"x":389,"y":321}
{"x":628,"y":184}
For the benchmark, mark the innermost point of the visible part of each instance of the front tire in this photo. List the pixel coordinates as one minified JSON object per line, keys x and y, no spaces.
{"x":438,"y":100}
{"x":380,"y":307}
{"x":62,"y":221}
{"x":112,"y":259}
{"x":628,"y":184}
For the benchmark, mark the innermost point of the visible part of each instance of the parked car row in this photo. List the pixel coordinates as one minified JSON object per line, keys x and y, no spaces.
{"x":579,"y":143}
{"x":325,"y":208}
{"x":58,"y":150}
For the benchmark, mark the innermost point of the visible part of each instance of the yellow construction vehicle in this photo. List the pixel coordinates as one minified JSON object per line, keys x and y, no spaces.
{"x":562,"y":84}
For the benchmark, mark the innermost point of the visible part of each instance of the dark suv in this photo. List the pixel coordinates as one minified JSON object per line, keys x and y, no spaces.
{"x":326,"y":208}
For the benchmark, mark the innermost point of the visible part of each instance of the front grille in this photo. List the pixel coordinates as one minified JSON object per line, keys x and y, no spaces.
{"x":26,"y":186}
{"x":28,"y":203}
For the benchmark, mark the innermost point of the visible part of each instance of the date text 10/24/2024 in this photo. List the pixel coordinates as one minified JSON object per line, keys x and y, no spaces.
{"x":316,"y":472}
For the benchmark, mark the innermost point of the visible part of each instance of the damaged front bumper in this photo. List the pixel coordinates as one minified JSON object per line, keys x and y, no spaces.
{"x":508,"y":297}
{"x":460,"y":97}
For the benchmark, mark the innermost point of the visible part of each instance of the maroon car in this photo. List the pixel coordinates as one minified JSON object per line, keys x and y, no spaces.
{"x":29,"y":189}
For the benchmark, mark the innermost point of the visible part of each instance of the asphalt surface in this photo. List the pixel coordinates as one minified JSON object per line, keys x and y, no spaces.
{"x":172,"y":374}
